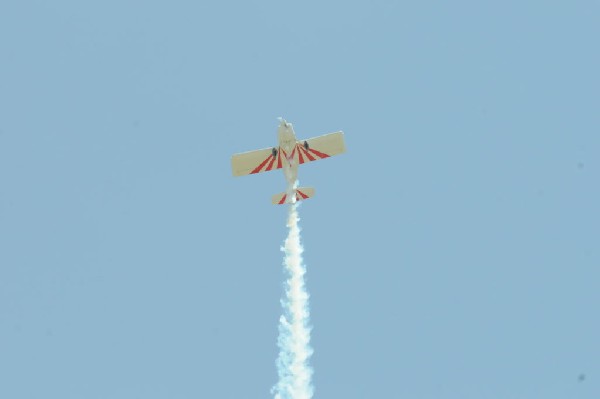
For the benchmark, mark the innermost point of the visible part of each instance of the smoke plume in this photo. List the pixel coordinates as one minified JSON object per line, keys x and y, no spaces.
{"x":293,"y":369}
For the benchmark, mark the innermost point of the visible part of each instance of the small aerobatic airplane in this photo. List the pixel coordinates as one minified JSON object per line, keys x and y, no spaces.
{"x":287,"y":156}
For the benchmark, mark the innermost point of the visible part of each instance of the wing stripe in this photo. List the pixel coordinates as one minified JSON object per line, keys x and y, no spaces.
{"x":301,"y":157}
{"x":318,"y":153}
{"x":304,"y":196}
{"x":270,"y":166}
{"x":279,"y":158}
{"x":310,"y":157}
{"x":259,"y":167}
{"x":282,"y":199}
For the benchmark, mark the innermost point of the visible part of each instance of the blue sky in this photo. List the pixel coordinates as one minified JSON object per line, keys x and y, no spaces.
{"x":453,"y":251}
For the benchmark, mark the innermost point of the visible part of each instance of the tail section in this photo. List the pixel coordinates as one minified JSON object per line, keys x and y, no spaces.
{"x":302,"y":193}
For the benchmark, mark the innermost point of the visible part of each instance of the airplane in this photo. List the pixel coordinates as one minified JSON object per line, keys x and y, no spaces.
{"x":287,"y":156}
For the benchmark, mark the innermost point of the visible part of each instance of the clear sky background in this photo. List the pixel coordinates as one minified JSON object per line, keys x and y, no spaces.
{"x":453,"y":252}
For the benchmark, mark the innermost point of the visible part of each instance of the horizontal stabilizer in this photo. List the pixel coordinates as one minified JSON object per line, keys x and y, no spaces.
{"x":302,"y":193}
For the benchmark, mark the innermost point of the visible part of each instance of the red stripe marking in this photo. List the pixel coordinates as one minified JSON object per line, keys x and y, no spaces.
{"x":282,"y":199}
{"x":318,"y":153}
{"x":304,"y":196}
{"x":270,"y":166}
{"x":279,"y":158}
{"x":301,"y":157}
{"x":259,"y":167}
{"x":310,"y":157}
{"x":293,"y":152}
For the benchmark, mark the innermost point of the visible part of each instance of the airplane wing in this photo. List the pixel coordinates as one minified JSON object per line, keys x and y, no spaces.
{"x":320,"y":147}
{"x":251,"y":162}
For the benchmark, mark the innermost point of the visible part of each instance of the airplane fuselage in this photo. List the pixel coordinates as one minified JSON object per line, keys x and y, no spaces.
{"x":287,"y":145}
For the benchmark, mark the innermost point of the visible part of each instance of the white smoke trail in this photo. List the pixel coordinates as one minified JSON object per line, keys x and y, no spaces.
{"x":294,"y":330}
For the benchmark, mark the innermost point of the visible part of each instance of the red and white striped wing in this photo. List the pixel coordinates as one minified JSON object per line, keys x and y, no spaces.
{"x":320,"y":147}
{"x":251,"y":162}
